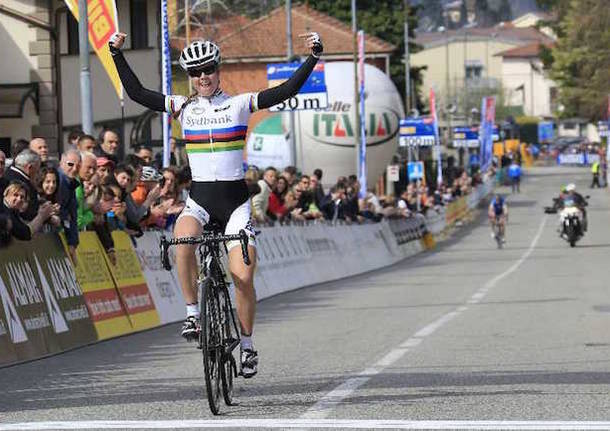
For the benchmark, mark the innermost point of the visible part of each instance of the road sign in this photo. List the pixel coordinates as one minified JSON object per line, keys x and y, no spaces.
{"x":312,"y":94}
{"x":393,"y":173}
{"x":417,"y":132}
{"x":466,"y":137}
{"x":545,"y":131}
{"x":415,"y":170}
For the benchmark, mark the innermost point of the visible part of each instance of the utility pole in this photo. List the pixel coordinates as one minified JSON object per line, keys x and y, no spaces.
{"x":356,"y":98}
{"x":86,"y":105}
{"x":289,"y":53}
{"x":407,"y":73}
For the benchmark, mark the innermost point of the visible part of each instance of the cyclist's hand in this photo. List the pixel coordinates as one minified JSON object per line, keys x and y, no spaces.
{"x":116,"y":42}
{"x":313,"y":42}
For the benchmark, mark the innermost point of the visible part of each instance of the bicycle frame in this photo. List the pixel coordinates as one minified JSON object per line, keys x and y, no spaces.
{"x":211,"y":266}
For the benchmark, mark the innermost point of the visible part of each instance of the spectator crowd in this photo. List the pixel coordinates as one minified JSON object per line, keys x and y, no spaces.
{"x":92,"y":188}
{"x":89,"y":188}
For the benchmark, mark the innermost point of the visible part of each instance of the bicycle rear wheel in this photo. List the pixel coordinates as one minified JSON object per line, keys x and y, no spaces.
{"x":229,"y":367}
{"x":211,"y":342}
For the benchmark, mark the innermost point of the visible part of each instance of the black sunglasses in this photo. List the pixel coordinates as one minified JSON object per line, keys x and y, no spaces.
{"x":207,"y":70}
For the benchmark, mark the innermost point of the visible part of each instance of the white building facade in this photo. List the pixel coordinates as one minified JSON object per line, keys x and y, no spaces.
{"x":40,"y":91}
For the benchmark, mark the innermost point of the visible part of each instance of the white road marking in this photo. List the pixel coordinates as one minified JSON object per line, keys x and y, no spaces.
{"x":329,"y":401}
{"x":310,"y":423}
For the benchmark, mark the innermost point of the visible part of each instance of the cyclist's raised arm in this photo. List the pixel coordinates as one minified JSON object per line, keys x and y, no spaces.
{"x":288,"y":89}
{"x":149,"y":98}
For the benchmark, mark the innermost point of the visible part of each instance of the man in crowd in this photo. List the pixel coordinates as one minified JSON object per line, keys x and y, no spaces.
{"x":73,"y":138}
{"x":145,"y":153}
{"x":332,"y":204}
{"x":40,"y":147}
{"x":260,"y":201}
{"x":290,"y":174}
{"x":86,"y":171}
{"x":25,"y":167}
{"x":514,"y":173}
{"x":69,"y":167}
{"x":315,"y":185}
{"x":109,"y":145}
{"x":85,"y":143}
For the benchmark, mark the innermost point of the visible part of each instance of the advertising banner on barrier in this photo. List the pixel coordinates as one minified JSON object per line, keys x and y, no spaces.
{"x":43,"y":308}
{"x":7,"y":348}
{"x":163,"y":285}
{"x":456,"y":210}
{"x":131,"y":284}
{"x":106,"y":309}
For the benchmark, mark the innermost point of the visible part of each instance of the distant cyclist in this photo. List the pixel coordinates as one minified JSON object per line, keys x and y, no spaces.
{"x":214,"y":125}
{"x":498,"y":215}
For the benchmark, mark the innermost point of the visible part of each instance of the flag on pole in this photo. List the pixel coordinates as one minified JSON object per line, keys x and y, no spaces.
{"x":437,"y":140}
{"x":103,"y":23}
{"x":166,"y":80}
{"x":488,"y":117}
{"x":362,"y":159}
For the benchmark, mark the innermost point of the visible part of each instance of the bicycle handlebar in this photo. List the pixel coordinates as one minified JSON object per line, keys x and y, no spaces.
{"x":206,"y":238}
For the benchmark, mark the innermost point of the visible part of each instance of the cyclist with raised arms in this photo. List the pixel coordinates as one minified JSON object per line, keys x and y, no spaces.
{"x":214,"y":126}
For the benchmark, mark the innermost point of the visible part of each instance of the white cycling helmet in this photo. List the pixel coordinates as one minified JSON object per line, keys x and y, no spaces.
{"x":570,"y":187}
{"x":198,"y":53}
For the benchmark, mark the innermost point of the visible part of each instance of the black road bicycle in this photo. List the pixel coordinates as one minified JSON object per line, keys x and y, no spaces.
{"x":218,"y":335}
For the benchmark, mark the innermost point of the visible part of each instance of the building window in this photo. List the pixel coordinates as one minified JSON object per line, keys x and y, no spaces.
{"x":474,"y":71}
{"x":72,"y":34}
{"x":139,"y":24}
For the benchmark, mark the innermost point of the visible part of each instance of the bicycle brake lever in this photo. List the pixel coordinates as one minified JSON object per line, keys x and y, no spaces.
{"x":243,"y":240}
{"x":164,"y":254}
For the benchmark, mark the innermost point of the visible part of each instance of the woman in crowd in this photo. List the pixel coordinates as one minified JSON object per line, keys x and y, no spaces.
{"x":47,"y":186}
{"x":14,"y":203}
{"x":166,"y":209}
{"x":277,"y":209}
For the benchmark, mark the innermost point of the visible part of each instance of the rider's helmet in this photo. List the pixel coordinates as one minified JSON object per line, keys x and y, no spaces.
{"x":198,"y":53}
{"x":571,"y":187}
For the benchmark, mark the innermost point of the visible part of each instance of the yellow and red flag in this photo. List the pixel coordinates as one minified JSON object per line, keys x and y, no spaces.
{"x":103,"y":23}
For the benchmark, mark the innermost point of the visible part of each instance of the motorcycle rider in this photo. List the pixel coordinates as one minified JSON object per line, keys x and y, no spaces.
{"x":578,"y":200}
{"x":498,"y":215}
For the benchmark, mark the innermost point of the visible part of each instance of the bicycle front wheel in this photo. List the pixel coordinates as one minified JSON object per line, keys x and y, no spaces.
{"x":211,"y":342}
{"x":229,"y":367}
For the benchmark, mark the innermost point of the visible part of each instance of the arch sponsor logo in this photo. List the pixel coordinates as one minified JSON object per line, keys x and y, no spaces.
{"x":335,"y":125}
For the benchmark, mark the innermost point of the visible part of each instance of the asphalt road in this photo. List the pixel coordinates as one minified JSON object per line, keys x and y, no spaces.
{"x":464,"y":334}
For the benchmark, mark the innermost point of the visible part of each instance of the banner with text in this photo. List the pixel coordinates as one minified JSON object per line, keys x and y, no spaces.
{"x":417,"y":132}
{"x":312,"y":95}
{"x":131,"y":284}
{"x":105,"y":306}
{"x":43,"y":309}
{"x":103,"y":23}
{"x":163,"y":285}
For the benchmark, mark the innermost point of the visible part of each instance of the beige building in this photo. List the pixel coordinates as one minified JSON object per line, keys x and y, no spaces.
{"x":525,"y":83}
{"x":40,"y":93}
{"x":459,"y":62}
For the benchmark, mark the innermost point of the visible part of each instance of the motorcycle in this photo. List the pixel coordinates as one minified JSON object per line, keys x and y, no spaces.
{"x":570,"y":219}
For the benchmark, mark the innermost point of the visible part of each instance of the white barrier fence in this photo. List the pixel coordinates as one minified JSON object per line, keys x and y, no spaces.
{"x":295,"y":256}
